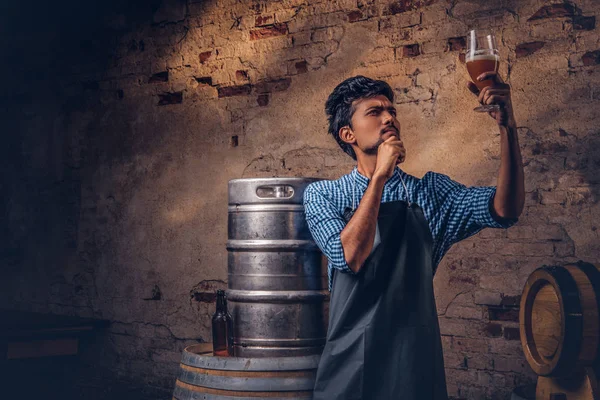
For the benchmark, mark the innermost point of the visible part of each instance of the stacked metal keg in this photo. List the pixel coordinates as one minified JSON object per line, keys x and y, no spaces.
{"x":277,"y":275}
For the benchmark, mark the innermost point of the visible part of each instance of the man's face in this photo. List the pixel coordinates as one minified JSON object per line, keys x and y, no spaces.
{"x":374,"y":121}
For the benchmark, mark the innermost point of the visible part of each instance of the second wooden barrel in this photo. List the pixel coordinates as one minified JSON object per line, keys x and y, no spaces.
{"x":204,"y":376}
{"x":559,"y":318}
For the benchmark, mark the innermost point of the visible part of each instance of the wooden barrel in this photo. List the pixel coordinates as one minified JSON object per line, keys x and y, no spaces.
{"x":204,"y":376}
{"x":559,"y":318}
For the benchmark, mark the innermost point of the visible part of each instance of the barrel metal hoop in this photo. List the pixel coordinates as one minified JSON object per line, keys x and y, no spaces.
{"x":593,"y":274}
{"x":246,"y":384}
{"x":282,"y":343}
{"x":573,"y":321}
{"x":271,"y":245}
{"x":276,"y":296}
{"x":197,"y":356}
{"x":185,"y":391}
{"x":265,"y":207}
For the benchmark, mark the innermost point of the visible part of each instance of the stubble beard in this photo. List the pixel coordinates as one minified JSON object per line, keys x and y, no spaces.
{"x":372,"y":150}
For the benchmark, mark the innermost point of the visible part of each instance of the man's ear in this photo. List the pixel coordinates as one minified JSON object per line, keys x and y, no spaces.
{"x":347,"y":135}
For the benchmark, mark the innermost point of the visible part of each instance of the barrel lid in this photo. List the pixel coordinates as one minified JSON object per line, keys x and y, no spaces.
{"x":201,"y":356}
{"x":288,"y":190}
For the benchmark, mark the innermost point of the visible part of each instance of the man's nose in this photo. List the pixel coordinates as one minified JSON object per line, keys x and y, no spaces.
{"x":387,"y":118}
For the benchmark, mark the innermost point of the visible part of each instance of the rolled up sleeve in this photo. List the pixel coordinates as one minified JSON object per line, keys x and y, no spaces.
{"x":487,"y":219}
{"x":325,"y":224}
{"x":464,"y":211}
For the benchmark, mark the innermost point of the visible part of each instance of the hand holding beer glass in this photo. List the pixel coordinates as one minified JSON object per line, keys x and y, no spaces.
{"x":482,"y":56}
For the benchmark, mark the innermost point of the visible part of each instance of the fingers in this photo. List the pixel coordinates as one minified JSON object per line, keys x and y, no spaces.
{"x":495,"y":98}
{"x":473,"y":88}
{"x":493,"y":89}
{"x":393,"y":140}
{"x":488,"y":91}
{"x":396,"y":144}
{"x":494,"y":76}
{"x":401,"y":157}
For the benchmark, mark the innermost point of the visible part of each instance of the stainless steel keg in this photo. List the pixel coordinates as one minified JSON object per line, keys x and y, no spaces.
{"x":277,"y":286}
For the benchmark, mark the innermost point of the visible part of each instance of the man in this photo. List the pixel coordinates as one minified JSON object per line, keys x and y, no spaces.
{"x":384,"y":232}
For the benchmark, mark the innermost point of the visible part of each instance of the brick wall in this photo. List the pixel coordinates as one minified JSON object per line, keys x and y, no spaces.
{"x":130,"y":120}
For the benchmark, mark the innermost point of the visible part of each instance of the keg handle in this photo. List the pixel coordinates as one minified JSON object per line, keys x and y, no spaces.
{"x":275,"y":191}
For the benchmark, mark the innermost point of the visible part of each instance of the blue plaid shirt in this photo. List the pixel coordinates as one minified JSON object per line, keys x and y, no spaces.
{"x":453,"y":211}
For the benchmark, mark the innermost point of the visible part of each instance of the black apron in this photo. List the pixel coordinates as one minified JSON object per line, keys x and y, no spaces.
{"x":383,"y":340}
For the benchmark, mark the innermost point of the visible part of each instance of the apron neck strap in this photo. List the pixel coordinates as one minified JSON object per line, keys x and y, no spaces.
{"x":354,"y":189}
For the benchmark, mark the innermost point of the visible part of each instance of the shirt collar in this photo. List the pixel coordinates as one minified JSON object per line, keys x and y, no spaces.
{"x":362,"y":181}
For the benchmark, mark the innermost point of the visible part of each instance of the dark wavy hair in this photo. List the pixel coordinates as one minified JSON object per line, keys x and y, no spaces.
{"x":339,"y":107}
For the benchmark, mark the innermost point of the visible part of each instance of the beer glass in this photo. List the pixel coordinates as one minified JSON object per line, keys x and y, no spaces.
{"x":482,"y":56}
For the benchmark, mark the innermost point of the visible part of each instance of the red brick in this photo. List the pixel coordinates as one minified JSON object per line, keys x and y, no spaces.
{"x":487,"y":297}
{"x":258,"y":6}
{"x":170,"y":98}
{"x":411,"y":50}
{"x":512,"y":333}
{"x":204,"y":80}
{"x":503,"y":314}
{"x":511,"y":301}
{"x":159,"y":77}
{"x":456,"y":44}
{"x":554,"y":11}
{"x":205,"y":56}
{"x":278,"y":85}
{"x":301,"y":67}
{"x":525,"y":49}
{"x":462,"y":57}
{"x":460,"y":327}
{"x":242,"y":75}
{"x":492,"y":329}
{"x":229,"y":91}
{"x":354,"y":16}
{"x":263,"y":100}
{"x":591,"y":58}
{"x":582,"y":23}
{"x":400,"y":6}
{"x":269,"y":31}
{"x":463,"y":279}
{"x":264,"y":20}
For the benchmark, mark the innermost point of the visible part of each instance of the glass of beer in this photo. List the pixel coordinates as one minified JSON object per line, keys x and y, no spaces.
{"x":482,"y":56}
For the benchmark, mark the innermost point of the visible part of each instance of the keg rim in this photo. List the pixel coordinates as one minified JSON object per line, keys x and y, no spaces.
{"x":276,"y":179}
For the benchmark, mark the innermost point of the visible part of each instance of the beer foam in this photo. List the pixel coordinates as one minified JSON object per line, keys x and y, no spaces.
{"x":481,"y":57}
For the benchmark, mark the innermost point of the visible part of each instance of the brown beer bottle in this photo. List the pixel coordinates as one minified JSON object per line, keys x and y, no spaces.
{"x":222,"y":328}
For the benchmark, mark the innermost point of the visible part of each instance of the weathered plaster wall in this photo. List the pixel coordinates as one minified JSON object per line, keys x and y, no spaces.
{"x":125,"y":123}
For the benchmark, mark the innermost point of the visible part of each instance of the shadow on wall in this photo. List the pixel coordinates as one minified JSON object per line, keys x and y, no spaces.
{"x":123,"y":121}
